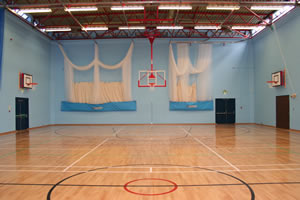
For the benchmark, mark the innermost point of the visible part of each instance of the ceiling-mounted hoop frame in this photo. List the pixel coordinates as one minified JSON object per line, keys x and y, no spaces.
{"x":154,"y":78}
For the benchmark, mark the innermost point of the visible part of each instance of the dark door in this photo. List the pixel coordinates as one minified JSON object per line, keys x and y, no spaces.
{"x":22,"y":113}
{"x":225,"y":111}
{"x":283,"y":112}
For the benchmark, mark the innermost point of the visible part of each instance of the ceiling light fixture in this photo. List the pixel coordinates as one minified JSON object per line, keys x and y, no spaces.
{"x":266,"y":7}
{"x":178,"y":7}
{"x":74,"y":9}
{"x":95,"y":28}
{"x":35,"y":10}
{"x":246,"y":27}
{"x":60,"y":29}
{"x":131,"y":27}
{"x":219,"y":7}
{"x":207,"y":27}
{"x":127,"y":8}
{"x":169,"y":27}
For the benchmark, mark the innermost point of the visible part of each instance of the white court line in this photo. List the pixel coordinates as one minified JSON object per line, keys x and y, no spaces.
{"x":234,"y":167}
{"x":146,"y":167}
{"x":246,"y":147}
{"x":155,"y":172}
{"x":90,"y":151}
{"x":150,"y":169}
{"x":11,"y":140}
{"x":270,"y":164}
{"x":85,"y":155}
{"x":41,"y":166}
{"x":49,"y":149}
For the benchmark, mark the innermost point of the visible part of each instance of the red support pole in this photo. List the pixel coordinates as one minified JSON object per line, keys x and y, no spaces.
{"x":151,"y":39}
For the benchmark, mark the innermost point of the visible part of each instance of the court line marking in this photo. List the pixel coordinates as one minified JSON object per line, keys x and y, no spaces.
{"x":90,"y":151}
{"x":154,"y":172}
{"x":117,"y":131}
{"x":199,"y":141}
{"x":49,"y":149}
{"x":12,"y":142}
{"x":85,"y":154}
{"x":194,"y":185}
{"x":146,"y":167}
{"x":249,"y":147}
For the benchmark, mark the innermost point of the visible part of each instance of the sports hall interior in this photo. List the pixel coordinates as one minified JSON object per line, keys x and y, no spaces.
{"x":153,"y":142}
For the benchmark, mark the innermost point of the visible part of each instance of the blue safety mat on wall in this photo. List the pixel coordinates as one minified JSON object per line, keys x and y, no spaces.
{"x":198,"y":105}
{"x":105,"y":107}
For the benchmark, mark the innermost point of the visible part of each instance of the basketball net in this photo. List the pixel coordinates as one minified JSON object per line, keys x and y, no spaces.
{"x":152,"y":87}
{"x":33,"y":85}
{"x":270,"y":83}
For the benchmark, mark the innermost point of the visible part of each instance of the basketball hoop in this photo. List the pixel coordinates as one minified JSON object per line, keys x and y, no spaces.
{"x":152,"y":88}
{"x":25,"y":81}
{"x":155,"y":78}
{"x":152,"y":78}
{"x":271,"y":83}
{"x":278,"y":79}
{"x":33,"y":84}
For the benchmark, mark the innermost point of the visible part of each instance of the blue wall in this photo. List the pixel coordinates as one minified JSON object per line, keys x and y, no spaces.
{"x":241,"y":68}
{"x":1,"y":40}
{"x":232,"y":70}
{"x":24,"y":50}
{"x":267,"y":59}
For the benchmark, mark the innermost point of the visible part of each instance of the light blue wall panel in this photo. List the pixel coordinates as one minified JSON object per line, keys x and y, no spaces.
{"x":267,"y":59}
{"x":232,"y":70}
{"x":1,"y":40}
{"x":25,"y":50}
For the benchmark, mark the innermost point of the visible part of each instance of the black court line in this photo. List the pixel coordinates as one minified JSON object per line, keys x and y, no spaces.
{"x":58,"y":132}
{"x":122,"y":138}
{"x":195,"y":185}
{"x":243,"y":183}
{"x":243,"y":133}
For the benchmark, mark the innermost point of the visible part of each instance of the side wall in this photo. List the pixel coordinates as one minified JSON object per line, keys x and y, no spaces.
{"x":232,"y":70}
{"x":1,"y":40}
{"x":24,"y":50}
{"x":268,"y":59}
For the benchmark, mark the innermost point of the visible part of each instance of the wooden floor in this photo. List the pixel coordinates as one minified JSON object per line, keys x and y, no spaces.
{"x":243,"y":162}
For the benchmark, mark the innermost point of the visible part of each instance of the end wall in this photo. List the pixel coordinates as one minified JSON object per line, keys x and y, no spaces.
{"x":232,"y":70}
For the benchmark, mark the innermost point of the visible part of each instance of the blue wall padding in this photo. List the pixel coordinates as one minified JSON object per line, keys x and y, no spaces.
{"x":1,"y":39}
{"x":198,"y":105}
{"x":105,"y":107}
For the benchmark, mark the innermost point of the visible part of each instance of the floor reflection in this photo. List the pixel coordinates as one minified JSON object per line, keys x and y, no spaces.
{"x":283,"y":144}
{"x":226,"y":138}
{"x":22,"y":146}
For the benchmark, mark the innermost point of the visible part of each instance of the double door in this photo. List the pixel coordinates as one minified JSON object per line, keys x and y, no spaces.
{"x":22,"y":113}
{"x":225,"y":111}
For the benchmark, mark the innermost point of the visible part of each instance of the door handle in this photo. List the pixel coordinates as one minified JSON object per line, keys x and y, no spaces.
{"x":22,"y":115}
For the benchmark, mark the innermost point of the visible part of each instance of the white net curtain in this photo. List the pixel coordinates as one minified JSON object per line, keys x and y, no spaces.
{"x":179,"y":74}
{"x":98,"y":92}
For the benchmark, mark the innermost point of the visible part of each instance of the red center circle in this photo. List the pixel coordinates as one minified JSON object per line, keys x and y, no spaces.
{"x":157,"y":179}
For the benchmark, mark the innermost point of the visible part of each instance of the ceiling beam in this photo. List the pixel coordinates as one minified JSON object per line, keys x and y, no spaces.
{"x":12,"y":4}
{"x":142,"y":13}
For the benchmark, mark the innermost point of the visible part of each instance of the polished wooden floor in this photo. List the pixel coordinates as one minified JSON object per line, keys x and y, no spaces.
{"x":242,"y":162}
